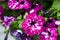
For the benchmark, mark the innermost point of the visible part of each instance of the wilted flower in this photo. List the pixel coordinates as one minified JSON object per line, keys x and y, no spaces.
{"x":7,"y":21}
{"x":18,"y":34}
{"x":33,"y":24}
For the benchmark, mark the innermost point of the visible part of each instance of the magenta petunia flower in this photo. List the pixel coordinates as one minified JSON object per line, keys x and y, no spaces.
{"x":19,"y":4}
{"x":50,"y":23}
{"x":35,"y":8}
{"x":33,"y":24}
{"x":1,"y":12}
{"x":49,"y":34}
{"x":7,"y":21}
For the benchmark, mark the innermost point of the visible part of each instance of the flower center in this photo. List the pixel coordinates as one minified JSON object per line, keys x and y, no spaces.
{"x":49,"y":21}
{"x":22,"y":2}
{"x":44,"y":25}
{"x":49,"y":33}
{"x":32,"y":23}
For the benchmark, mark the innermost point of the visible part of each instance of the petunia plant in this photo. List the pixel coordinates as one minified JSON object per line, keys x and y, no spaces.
{"x":31,"y":19}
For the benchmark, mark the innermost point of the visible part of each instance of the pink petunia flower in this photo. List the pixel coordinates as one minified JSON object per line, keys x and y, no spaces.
{"x":33,"y":24}
{"x":50,"y":23}
{"x":19,"y":4}
{"x":49,"y":34}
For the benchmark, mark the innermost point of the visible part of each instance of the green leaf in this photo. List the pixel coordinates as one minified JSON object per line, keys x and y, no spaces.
{"x":59,"y":30}
{"x":40,"y":13}
{"x":14,"y":25}
{"x":25,"y":15}
{"x":19,"y":17}
{"x":58,"y":37}
{"x":36,"y":37}
{"x":20,"y":23}
{"x":58,"y":15}
{"x":4,"y":4}
{"x":46,"y":18}
{"x":56,"y":4}
{"x":54,"y":15}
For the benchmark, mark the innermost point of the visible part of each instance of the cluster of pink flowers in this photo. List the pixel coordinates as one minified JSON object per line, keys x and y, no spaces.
{"x":34,"y":24}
